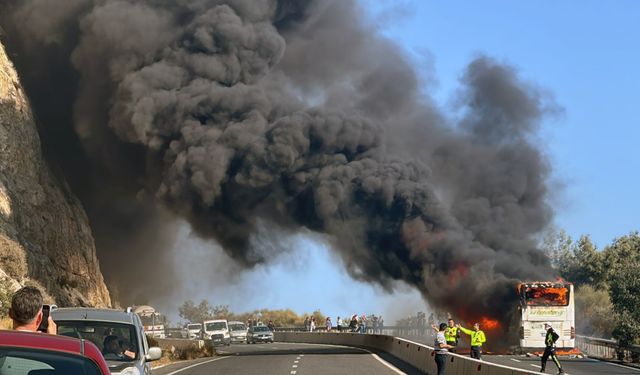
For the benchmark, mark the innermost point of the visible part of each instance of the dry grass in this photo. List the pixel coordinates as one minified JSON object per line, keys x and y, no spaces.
{"x":6,"y":323}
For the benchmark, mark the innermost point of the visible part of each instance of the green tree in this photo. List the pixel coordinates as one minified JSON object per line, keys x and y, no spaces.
{"x":203,"y":311}
{"x":557,"y":246}
{"x":594,"y":312}
{"x":588,"y":264}
{"x":624,"y":288}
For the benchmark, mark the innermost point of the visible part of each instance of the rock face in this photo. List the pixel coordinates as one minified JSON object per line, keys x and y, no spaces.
{"x":44,"y":231}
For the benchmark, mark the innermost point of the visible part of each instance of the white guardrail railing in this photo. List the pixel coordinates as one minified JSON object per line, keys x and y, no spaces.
{"x":417,"y":355}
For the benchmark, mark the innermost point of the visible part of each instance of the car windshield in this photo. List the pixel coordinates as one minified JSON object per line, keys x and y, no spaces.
{"x":217,"y":326}
{"x":20,"y":361}
{"x":194,"y":326}
{"x":237,"y":327}
{"x":117,"y":341}
{"x":151,"y":320}
{"x":261,"y":329}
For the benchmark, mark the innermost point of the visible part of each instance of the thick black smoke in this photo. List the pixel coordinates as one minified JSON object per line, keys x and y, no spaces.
{"x":227,"y":112}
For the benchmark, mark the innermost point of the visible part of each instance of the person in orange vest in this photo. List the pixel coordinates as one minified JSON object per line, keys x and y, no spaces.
{"x":477,"y":339}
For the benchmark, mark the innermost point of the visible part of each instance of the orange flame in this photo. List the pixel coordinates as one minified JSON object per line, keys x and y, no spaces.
{"x":489,"y":324}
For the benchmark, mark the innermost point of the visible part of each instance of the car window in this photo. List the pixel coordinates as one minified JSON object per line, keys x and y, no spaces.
{"x":113,"y":339}
{"x":194,"y":326}
{"x":260,"y":329}
{"x":20,"y":361}
{"x":237,"y":327}
{"x":217,"y":326}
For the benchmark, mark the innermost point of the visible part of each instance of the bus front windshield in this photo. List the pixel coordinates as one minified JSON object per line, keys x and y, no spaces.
{"x":546,"y":296}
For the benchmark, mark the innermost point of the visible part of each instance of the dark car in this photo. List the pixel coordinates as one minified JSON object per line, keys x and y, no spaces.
{"x":259,"y":334}
{"x":26,"y":353}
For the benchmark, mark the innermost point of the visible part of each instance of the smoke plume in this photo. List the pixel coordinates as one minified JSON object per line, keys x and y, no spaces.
{"x":294,"y":113}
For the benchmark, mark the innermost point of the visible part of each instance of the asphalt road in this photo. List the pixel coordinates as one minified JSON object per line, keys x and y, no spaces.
{"x":291,"y":359}
{"x":571,"y":366}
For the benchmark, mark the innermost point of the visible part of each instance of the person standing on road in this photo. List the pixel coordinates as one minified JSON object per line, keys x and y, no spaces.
{"x":26,"y":311}
{"x":452,"y":335}
{"x":328,"y":324}
{"x":441,"y":348}
{"x":477,"y":339}
{"x":339,"y":324}
{"x":550,"y":349}
{"x":307,"y":324}
{"x":312,"y":324}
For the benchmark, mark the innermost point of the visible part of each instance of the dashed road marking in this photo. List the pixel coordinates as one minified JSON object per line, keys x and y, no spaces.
{"x":293,"y":372}
{"x":197,"y":364}
{"x":515,"y":360}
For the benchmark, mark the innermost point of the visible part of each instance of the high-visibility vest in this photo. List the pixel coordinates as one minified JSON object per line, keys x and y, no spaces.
{"x":551,"y":337}
{"x":477,"y":337}
{"x":451,"y":334}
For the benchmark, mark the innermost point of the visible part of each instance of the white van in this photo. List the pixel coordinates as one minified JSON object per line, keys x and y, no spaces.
{"x":194,"y":330}
{"x":217,"y":331}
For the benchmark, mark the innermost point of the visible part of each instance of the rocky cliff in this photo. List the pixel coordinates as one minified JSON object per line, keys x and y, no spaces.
{"x":44,"y":231}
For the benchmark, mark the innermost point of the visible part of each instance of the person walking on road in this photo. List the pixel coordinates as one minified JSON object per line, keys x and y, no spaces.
{"x":452,"y":335}
{"x":441,"y":348}
{"x":550,"y":349}
{"x":477,"y":339}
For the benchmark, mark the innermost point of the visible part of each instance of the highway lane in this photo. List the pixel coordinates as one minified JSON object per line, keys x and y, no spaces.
{"x":291,"y":359}
{"x":571,"y":366}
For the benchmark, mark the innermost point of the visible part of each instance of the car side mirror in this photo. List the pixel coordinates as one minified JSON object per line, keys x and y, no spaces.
{"x":154,"y":354}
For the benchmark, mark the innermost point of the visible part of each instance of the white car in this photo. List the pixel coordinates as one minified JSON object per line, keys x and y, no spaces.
{"x":238,"y":331}
{"x":217,"y":331}
{"x":194,"y":331}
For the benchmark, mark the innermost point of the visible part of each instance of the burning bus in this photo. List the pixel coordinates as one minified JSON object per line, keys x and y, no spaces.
{"x":542,"y":302}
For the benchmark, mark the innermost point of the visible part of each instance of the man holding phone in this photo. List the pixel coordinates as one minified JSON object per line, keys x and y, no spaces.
{"x":29,"y":314}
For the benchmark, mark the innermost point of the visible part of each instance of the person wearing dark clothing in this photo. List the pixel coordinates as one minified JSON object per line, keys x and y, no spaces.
{"x":550,"y":351}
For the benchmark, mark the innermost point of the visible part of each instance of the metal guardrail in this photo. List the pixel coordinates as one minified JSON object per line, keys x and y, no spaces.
{"x":607,"y":349}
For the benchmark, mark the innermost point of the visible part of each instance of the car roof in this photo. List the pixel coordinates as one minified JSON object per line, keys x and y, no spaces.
{"x":235,"y":322}
{"x":84,"y":313}
{"x":62,"y":344}
{"x":215,"y":321}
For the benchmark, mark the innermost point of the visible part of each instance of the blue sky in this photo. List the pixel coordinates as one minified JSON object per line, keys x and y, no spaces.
{"x":585,"y":53}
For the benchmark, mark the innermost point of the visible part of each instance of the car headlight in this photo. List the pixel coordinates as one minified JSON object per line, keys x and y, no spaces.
{"x":130,"y":371}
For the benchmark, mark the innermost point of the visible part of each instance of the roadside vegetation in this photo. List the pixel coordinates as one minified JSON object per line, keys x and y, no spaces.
{"x":191,"y":312}
{"x":607,"y":284}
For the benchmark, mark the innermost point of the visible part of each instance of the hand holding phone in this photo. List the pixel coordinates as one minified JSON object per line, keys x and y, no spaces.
{"x":47,"y":325}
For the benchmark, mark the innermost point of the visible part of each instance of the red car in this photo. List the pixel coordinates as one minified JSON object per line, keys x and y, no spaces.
{"x":26,"y":353}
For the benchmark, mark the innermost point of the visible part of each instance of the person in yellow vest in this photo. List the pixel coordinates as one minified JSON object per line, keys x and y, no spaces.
{"x":452,"y":335}
{"x":477,"y":339}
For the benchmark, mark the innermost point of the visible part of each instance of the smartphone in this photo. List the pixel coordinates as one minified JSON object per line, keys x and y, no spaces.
{"x":44,"y":324}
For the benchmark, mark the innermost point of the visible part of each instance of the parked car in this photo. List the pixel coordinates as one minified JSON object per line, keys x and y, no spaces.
{"x":194,"y":331}
{"x":259,"y":334}
{"x":24,"y":353}
{"x":217,"y":331}
{"x":118,"y":334}
{"x":238,"y":331}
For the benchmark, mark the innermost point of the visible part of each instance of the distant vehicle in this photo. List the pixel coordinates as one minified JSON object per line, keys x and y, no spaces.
{"x":259,"y":334}
{"x":238,"y":331}
{"x":217,"y":331}
{"x":50,"y":354}
{"x":176,"y":333}
{"x":118,"y":334}
{"x":152,"y":321}
{"x":194,"y":331}
{"x":546,"y":302}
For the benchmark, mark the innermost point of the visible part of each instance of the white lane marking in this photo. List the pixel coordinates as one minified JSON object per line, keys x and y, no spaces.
{"x":197,"y":364}
{"x":294,"y":366}
{"x":536,"y":366}
{"x":515,"y":360}
{"x":293,"y":372}
{"x":389,"y":365}
{"x":623,"y":366}
{"x":296,"y":361}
